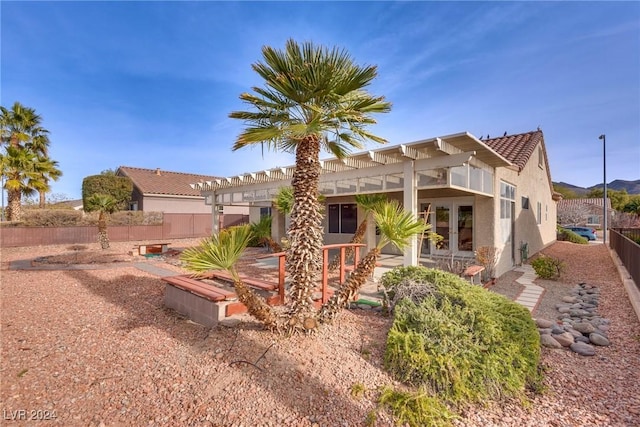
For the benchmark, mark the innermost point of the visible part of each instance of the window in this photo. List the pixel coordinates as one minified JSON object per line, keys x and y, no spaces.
{"x":507,"y":208}
{"x":593,"y":219}
{"x":133,"y":206}
{"x":539,"y":214}
{"x":525,"y":202}
{"x":343,"y":218}
{"x":265,"y":212}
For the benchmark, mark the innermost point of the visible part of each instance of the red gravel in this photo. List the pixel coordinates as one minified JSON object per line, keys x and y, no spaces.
{"x":97,"y":347}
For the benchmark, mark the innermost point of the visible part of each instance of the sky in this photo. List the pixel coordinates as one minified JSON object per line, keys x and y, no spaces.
{"x":151,"y":84}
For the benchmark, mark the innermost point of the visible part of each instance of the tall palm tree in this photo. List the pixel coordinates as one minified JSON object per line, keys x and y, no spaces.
{"x":20,"y":129}
{"x":222,"y":252}
{"x":396,"y":227}
{"x":313,"y":99}
{"x":23,"y":172}
{"x":367,"y":202}
{"x":105,"y":204}
{"x":49,"y":172}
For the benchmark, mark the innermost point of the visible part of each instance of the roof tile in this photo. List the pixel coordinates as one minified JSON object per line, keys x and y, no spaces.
{"x":157,"y":181}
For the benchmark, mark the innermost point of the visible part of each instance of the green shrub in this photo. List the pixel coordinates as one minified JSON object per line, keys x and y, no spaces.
{"x":569,"y":236}
{"x":392,"y":278}
{"x":548,"y":267}
{"x":51,"y":217}
{"x":416,"y":409}
{"x":463,"y":343}
{"x":260,"y":231}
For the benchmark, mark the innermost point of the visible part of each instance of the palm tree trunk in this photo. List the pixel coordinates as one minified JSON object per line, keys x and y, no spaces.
{"x":358,"y":237}
{"x":14,"y":205}
{"x":348,"y":289}
{"x":42,"y":199}
{"x":256,"y":306}
{"x":305,"y":234}
{"x":103,"y":237}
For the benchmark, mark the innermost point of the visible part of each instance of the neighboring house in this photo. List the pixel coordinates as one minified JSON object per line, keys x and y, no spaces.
{"x":76,"y":205}
{"x":495,"y":192}
{"x":156,"y":190}
{"x":587,"y":212}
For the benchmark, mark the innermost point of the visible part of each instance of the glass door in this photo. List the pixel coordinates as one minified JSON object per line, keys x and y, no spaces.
{"x":453,"y":221}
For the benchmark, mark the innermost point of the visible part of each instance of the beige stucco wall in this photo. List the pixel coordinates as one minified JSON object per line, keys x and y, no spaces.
{"x":175,"y":205}
{"x":531,"y":182}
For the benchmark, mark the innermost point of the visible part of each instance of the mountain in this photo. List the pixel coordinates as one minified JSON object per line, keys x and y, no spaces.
{"x":632,"y":187}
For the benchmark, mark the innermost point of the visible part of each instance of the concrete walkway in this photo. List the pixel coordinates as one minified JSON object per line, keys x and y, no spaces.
{"x":531,"y":294}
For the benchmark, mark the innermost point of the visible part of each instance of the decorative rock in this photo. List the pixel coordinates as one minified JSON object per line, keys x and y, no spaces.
{"x":549,"y":341}
{"x":575,"y":333}
{"x":565,"y":339}
{"x":582,"y":338}
{"x":564,"y":309}
{"x":544,"y":323}
{"x":598,"y":339}
{"x":585,"y":328}
{"x":569,"y":299}
{"x":582,"y":349}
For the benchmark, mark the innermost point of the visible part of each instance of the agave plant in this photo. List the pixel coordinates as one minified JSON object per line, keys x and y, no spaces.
{"x":367,"y":202}
{"x":222,"y":252}
{"x":396,"y":226}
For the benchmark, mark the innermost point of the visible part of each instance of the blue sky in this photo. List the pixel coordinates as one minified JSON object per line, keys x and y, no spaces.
{"x":151,"y":84}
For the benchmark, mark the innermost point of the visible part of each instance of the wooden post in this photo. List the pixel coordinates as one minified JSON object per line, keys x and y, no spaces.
{"x":281,"y":278}
{"x":342,"y":261}
{"x":325,"y":274}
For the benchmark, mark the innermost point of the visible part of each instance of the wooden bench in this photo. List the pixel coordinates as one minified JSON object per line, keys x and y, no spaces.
{"x":200,"y":302}
{"x":472,"y":271}
{"x":254,"y":283}
{"x":152,"y":248}
{"x":195,"y":286}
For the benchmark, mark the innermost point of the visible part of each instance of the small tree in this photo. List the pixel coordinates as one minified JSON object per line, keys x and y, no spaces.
{"x":221,"y":252}
{"x":120,"y":188}
{"x":396,"y":227}
{"x":105,"y":205}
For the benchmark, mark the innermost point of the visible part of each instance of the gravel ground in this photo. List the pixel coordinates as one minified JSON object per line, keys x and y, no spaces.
{"x":97,"y":347}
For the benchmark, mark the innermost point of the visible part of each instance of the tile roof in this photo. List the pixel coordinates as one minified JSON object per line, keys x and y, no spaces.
{"x":574,"y":203}
{"x":516,"y":148}
{"x":157,"y":181}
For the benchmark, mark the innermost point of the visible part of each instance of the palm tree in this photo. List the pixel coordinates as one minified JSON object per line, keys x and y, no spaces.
{"x":222,"y":252}
{"x":105,"y":204}
{"x":20,"y":129}
{"x":22,"y":169}
{"x":396,"y":227}
{"x":49,"y":171}
{"x":367,"y":202}
{"x":313,"y":99}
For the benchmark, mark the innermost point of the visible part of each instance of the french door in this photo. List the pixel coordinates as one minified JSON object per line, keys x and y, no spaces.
{"x":452,"y":219}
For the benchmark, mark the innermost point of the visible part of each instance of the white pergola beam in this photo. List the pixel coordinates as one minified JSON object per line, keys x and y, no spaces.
{"x":444,"y":161}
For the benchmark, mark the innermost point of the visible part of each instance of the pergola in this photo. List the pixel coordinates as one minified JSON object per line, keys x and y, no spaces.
{"x":455,"y":163}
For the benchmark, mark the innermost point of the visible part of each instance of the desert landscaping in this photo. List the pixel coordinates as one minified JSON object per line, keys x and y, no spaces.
{"x":86,"y":340}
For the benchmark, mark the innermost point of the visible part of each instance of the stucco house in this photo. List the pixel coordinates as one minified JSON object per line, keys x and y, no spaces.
{"x":493,"y":192}
{"x":588,"y":212}
{"x":156,"y":190}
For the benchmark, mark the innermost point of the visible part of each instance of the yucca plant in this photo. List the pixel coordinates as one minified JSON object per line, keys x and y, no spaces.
{"x":222,"y":252}
{"x":396,"y":226}
{"x":367,"y":202}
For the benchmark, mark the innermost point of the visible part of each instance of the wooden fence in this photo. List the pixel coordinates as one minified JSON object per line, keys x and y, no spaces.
{"x":174,"y":226}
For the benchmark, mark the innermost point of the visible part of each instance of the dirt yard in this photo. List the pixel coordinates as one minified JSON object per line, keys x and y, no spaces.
{"x":95,"y":346}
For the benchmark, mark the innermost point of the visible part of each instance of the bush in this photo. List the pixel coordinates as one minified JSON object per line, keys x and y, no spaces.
{"x":548,"y":267}
{"x":463,"y":343}
{"x":391,"y":279}
{"x":569,"y":236}
{"x":51,"y":217}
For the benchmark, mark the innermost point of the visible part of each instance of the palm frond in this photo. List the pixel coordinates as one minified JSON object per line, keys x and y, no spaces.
{"x":396,"y":225}
{"x":218,"y":252}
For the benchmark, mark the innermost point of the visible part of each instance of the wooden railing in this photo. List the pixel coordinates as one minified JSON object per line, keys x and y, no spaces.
{"x":342,"y":271}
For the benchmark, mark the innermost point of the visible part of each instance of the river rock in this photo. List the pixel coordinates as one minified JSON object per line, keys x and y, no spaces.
{"x":583,"y":349}
{"x":549,"y":341}
{"x":598,"y":339}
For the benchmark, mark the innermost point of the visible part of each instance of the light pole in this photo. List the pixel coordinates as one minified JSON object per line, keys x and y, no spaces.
{"x":604,"y":195}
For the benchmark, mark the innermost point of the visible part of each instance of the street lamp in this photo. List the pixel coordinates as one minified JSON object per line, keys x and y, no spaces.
{"x":604,"y":195}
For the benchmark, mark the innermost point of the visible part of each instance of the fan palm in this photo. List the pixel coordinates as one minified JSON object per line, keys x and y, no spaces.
{"x":105,"y":204}
{"x":367,"y":202}
{"x":313,"y":99}
{"x":23,"y":172}
{"x":20,"y":130}
{"x":49,"y":172}
{"x":222,"y":252}
{"x":396,"y":227}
